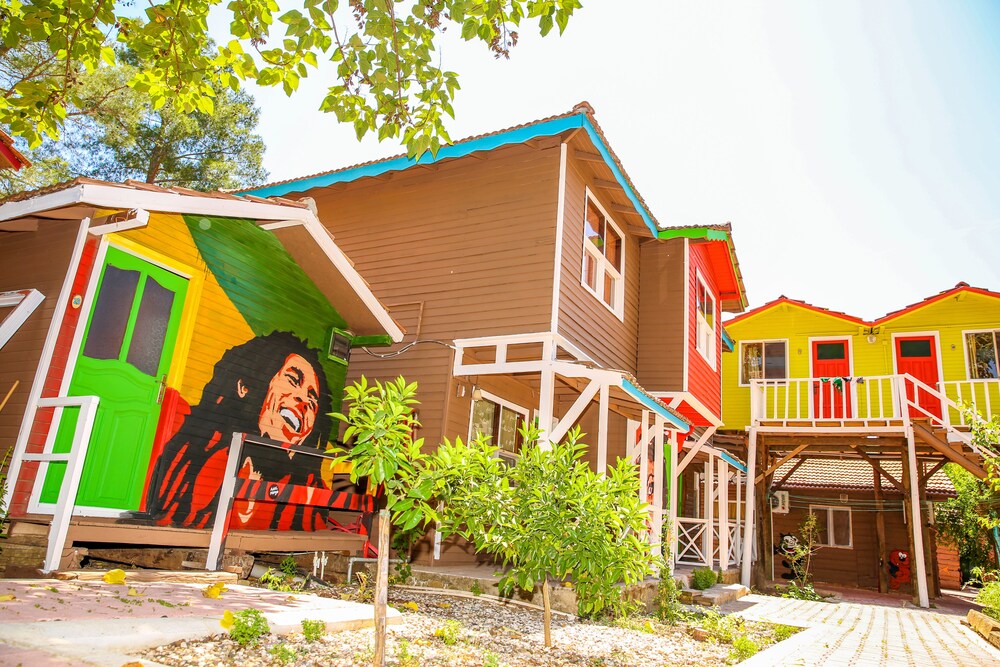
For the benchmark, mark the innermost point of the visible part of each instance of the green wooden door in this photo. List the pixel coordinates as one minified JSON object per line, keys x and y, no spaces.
{"x":126,"y":353}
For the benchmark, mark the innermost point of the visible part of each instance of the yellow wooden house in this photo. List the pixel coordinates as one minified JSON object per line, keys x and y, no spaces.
{"x":804,"y":383}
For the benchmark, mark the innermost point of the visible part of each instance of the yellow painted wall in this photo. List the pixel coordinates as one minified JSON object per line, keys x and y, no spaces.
{"x":948,"y":317}
{"x":166,"y":240}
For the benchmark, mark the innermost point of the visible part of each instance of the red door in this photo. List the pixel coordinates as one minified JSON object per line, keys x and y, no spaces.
{"x":917,"y":356}
{"x":832,"y":392}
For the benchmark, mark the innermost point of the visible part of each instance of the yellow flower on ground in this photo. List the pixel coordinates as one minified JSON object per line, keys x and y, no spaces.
{"x":214,"y":591}
{"x":115,"y":576}
{"x":228,"y":620}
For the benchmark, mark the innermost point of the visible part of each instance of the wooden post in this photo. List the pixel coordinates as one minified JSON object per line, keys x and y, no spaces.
{"x":883,"y":566}
{"x":709,"y":542}
{"x":546,"y":402}
{"x":658,"y":478}
{"x":673,"y":498}
{"x":602,"y":430}
{"x":381,"y":587}
{"x":546,"y":612}
{"x":750,"y":516}
{"x":723,"y":486}
{"x":930,"y":552}
{"x":766,"y":521}
{"x":910,"y":483}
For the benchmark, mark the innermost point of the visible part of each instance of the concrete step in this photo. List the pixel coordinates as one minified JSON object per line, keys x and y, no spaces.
{"x":716,"y":596}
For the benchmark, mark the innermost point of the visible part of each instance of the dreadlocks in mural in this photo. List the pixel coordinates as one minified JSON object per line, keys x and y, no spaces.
{"x":273,"y":386}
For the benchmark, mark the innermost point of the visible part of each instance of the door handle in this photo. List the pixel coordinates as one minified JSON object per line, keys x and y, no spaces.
{"x":162,"y":382}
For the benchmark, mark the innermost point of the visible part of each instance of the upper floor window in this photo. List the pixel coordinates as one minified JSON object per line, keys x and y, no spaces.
{"x":982,"y":355}
{"x":603,"y":257}
{"x":499,"y":420}
{"x":767,"y":360}
{"x":705,"y":326}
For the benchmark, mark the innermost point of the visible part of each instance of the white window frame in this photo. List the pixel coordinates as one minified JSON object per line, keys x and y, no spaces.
{"x":602,"y":263}
{"x":706,"y":346}
{"x":504,"y":405}
{"x":22,"y":304}
{"x":965,"y":351}
{"x":763,"y":342}
{"x":830,"y":509}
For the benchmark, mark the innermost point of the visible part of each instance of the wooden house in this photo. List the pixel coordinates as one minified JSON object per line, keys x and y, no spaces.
{"x":535,"y":284}
{"x":143,"y":326}
{"x":808,"y":384}
{"x":10,"y":157}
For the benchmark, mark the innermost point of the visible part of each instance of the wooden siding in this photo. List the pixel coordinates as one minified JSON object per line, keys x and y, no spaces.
{"x":661,"y":315}
{"x":36,"y":260}
{"x":949,"y":569}
{"x":584,"y":319}
{"x":460,"y":250}
{"x":856,"y":566}
{"x":703,"y":381}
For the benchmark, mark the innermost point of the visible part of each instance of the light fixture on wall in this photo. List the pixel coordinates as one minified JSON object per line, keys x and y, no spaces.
{"x":477,"y":393}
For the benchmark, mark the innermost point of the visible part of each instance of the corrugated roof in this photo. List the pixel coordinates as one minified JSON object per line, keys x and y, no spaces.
{"x":147,"y":187}
{"x":852,"y":475}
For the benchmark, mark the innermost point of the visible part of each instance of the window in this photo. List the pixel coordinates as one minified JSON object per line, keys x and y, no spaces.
{"x":834,"y":526}
{"x":705,"y":327}
{"x":765,"y":360}
{"x":982,"y":349}
{"x":499,"y":420}
{"x":603,"y":257}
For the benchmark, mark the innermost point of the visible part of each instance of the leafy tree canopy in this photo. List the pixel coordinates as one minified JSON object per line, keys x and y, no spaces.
{"x":389,"y":79}
{"x":116,"y":134}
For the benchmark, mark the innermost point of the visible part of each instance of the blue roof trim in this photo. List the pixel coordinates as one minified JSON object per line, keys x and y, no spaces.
{"x":728,"y":341}
{"x":638,"y":395}
{"x":487,"y":143}
{"x":733,"y":462}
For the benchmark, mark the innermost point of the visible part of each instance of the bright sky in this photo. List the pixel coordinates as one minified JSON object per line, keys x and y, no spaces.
{"x":854,"y":145}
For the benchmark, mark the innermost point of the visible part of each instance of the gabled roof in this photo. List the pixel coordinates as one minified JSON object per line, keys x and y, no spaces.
{"x":954,"y":291}
{"x":794,"y":302}
{"x":10,"y":157}
{"x":293,"y":223}
{"x":581,"y":117}
{"x":731,"y":290}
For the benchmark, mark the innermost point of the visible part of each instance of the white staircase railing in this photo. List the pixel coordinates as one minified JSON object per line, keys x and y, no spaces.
{"x":982,"y":395}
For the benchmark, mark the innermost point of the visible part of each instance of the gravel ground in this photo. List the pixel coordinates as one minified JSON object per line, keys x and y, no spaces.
{"x":490,"y":634}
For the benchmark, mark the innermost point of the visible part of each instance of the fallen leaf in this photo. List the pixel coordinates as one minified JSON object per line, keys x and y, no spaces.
{"x":214,"y":591}
{"x":7,"y":597}
{"x":133,"y":593}
{"x":442,"y":605}
{"x":228,"y":620}
{"x":114,"y":577}
{"x":412,"y":606}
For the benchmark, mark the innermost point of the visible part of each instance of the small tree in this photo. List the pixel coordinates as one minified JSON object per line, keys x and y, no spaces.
{"x":381,"y":423}
{"x":547,"y":516}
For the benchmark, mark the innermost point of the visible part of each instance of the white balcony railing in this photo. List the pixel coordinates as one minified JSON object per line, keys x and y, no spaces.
{"x":798,"y":399}
{"x":691,"y":541}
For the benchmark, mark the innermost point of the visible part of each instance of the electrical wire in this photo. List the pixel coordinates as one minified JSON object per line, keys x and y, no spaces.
{"x":389,"y":355}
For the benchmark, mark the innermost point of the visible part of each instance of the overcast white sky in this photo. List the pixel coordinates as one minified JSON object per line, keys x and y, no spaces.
{"x":854,"y":145}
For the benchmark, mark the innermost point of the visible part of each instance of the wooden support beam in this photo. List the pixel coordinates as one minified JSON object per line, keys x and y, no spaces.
{"x":944,"y":447}
{"x":875,"y":464}
{"x":587,"y":156}
{"x":930,"y":555}
{"x":606,"y":184}
{"x":883,"y":564}
{"x":911,"y":480}
{"x":791,"y":472}
{"x":575,"y":411}
{"x":749,"y":522}
{"x":621,"y":208}
{"x":784,"y":459}
{"x":930,"y":473}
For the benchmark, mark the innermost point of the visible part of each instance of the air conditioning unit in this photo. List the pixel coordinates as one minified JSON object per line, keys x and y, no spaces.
{"x":779,"y":502}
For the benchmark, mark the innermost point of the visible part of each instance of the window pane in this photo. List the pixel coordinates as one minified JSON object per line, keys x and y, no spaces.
{"x":593,"y":229}
{"x":111,"y":312}
{"x":150,"y":330}
{"x":483,"y":412}
{"x":821,"y":521}
{"x":841,"y":528}
{"x":613,"y":248}
{"x":831,"y":351}
{"x":509,"y":438}
{"x":982,"y":355}
{"x":609,"y":289}
{"x":774,"y":361}
{"x":752,"y":367}
{"x":915,"y":348}
{"x":590,"y":270}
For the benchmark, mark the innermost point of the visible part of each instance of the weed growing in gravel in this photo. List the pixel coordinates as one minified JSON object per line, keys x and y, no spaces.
{"x":278,"y":581}
{"x":366,"y":656}
{"x":782,"y":632}
{"x":283,"y":653}
{"x":476,"y":589}
{"x":449,"y":633}
{"x":249,"y":626}
{"x":744,"y":648}
{"x":402,"y":574}
{"x":723,"y":629}
{"x":288,"y":566}
{"x":312,"y":630}
{"x":667,"y":603}
{"x":403,"y":656}
{"x":491,"y":659}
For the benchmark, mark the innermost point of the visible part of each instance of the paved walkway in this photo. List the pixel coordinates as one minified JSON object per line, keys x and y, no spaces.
{"x":845,"y":633}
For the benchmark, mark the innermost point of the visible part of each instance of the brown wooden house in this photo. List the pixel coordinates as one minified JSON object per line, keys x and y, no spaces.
{"x":534,"y":283}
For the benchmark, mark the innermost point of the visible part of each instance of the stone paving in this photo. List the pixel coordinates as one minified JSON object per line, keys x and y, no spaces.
{"x":843,"y":633}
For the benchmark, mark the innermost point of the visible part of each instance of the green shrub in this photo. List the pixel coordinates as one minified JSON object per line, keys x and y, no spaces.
{"x":781,"y":632}
{"x":702,"y":578}
{"x":743,"y":648}
{"x":312,"y":630}
{"x":283,"y":653}
{"x":249,"y":626}
{"x":667,"y":604}
{"x":449,"y":633}
{"x":989,"y":597}
{"x":722,"y":628}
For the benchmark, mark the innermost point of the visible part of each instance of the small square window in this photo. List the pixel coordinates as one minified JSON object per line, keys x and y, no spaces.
{"x":763,"y":361}
{"x":834,"y":525}
{"x":982,"y":349}
{"x":500,"y":421}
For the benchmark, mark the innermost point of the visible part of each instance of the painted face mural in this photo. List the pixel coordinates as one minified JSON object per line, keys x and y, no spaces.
{"x":272,"y":386}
